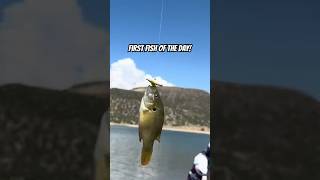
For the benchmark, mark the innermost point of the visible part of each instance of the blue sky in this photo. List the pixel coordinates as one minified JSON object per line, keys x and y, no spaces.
{"x":183,"y":22}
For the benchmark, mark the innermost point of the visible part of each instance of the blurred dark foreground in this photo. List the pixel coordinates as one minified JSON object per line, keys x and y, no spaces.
{"x":48,"y":134}
{"x":265,"y":133}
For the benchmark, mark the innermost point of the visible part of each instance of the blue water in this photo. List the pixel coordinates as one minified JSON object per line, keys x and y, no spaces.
{"x":171,"y":159}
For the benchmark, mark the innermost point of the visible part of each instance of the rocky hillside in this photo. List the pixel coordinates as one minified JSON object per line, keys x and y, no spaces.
{"x":266,"y":133}
{"x":183,"y":107}
{"x":98,"y":89}
{"x":47,"y":134}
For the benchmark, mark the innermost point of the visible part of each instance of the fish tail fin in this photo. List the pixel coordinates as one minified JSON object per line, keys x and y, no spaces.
{"x":146,"y":154}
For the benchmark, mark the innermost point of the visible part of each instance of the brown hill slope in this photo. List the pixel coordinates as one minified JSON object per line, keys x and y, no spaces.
{"x":183,"y":107}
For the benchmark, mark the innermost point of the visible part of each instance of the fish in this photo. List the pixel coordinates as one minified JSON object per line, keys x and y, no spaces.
{"x":151,"y":119}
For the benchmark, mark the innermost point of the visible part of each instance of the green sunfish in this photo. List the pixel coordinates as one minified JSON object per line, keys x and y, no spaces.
{"x":150,"y":121}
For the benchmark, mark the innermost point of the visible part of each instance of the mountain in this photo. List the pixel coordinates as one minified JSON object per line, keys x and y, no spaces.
{"x":183,"y":107}
{"x":98,"y":89}
{"x":48,"y":134}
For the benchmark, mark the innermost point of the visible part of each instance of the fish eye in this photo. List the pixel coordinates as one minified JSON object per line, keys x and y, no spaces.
{"x":154,"y":109}
{"x":156,"y":95}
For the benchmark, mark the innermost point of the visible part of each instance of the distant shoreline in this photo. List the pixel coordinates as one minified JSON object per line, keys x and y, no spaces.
{"x":188,"y":129}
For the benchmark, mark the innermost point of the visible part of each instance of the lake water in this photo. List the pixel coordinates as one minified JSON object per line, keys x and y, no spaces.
{"x":172,"y":158}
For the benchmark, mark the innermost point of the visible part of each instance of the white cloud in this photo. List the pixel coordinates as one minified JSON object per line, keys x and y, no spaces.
{"x":124,"y":74}
{"x":48,"y":43}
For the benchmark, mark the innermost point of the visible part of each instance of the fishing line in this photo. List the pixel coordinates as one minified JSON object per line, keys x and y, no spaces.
{"x":161,"y":18}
